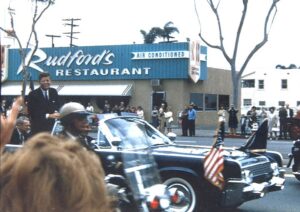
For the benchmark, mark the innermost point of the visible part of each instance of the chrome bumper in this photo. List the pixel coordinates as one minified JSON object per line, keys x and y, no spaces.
{"x":238,"y":191}
{"x":296,"y":173}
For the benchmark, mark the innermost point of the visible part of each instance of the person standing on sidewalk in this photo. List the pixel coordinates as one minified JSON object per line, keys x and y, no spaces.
{"x":273,"y":121}
{"x":232,"y":120}
{"x":184,"y":120}
{"x":282,"y":122}
{"x":192,"y":115}
{"x":169,"y":119}
{"x":154,"y":117}
{"x":162,"y":120}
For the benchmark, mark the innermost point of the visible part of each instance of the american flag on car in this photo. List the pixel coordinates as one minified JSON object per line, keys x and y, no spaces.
{"x":214,"y":160}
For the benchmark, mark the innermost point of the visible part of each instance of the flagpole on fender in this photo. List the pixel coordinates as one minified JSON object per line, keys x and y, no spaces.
{"x":221,"y":126}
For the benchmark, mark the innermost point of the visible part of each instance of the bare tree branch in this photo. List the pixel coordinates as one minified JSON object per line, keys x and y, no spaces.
{"x":221,"y":38}
{"x":33,"y":33}
{"x":272,"y":9}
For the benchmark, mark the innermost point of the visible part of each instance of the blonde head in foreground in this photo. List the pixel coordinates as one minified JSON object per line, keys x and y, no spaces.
{"x":50,"y":174}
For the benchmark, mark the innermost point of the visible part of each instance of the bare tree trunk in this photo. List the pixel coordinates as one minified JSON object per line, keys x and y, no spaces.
{"x":236,"y":91}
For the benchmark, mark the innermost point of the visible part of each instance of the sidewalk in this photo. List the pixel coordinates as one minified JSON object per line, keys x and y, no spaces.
{"x":207,"y":133}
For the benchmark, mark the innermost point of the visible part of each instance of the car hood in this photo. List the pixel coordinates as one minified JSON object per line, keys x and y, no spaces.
{"x":196,"y":151}
{"x":257,"y":143}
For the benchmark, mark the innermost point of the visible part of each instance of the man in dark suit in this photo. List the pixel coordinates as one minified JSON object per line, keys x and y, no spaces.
{"x":290,"y":111}
{"x":289,"y":119}
{"x":43,"y":105}
{"x":22,"y":131}
{"x":282,"y":122}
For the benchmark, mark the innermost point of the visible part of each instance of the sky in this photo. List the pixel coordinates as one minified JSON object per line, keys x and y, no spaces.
{"x":115,"y":22}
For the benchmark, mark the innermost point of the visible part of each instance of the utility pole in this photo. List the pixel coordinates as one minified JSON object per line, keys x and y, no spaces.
{"x":70,"y":22}
{"x":52,"y":38}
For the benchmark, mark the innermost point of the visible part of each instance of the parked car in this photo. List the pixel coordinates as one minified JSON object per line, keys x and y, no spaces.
{"x":249,"y":172}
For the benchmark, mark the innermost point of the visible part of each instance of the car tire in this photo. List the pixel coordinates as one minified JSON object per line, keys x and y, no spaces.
{"x":189,"y":189}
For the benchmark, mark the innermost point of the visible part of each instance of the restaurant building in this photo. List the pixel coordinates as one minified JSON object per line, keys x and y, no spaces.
{"x":137,"y":74}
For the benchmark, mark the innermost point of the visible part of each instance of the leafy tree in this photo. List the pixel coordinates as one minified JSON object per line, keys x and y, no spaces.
{"x":236,"y":72}
{"x":292,"y":66}
{"x":280,"y":66}
{"x":38,"y":12}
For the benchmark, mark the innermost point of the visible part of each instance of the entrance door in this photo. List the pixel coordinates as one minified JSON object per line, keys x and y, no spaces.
{"x":158,"y":98}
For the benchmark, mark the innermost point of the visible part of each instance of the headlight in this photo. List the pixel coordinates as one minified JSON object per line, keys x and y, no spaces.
{"x":247,"y":176}
{"x":274,"y":167}
{"x":158,"y":197}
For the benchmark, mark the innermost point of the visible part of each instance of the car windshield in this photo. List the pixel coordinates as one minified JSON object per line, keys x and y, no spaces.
{"x":135,"y":133}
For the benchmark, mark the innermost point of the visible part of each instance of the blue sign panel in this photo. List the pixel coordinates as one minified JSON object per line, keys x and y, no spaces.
{"x":128,"y":62}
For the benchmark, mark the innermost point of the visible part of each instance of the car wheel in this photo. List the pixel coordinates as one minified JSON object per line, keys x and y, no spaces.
{"x":186,"y":189}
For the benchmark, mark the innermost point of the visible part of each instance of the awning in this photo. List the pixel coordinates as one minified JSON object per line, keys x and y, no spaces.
{"x":75,"y":90}
{"x":94,"y":90}
{"x":12,"y":90}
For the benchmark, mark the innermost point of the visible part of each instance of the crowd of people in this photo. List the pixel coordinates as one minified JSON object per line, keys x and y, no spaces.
{"x":279,"y":120}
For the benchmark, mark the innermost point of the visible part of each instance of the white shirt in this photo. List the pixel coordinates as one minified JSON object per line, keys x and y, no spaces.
{"x":90,"y":108}
{"x":140,"y":113}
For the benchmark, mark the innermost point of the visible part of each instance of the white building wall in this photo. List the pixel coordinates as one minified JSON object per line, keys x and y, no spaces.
{"x":272,"y":93}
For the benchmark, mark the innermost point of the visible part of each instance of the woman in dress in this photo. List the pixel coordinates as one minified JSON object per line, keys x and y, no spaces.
{"x":232,"y":120}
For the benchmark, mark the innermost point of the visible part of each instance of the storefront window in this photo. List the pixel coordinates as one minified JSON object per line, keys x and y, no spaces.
{"x":210,"y":102}
{"x":284,"y":84}
{"x":197,"y":99}
{"x":224,"y":101}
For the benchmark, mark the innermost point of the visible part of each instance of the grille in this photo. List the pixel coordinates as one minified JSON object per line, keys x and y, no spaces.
{"x":260,"y":169}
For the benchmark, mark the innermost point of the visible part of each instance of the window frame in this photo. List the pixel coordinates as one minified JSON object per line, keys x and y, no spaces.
{"x":261,"y":84}
{"x":284,"y":84}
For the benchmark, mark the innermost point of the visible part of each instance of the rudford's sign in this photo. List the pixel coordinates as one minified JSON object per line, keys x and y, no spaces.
{"x":145,"y":61}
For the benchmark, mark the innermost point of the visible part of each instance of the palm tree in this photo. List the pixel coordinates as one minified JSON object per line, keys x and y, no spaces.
{"x":151,"y":36}
{"x":156,"y":32}
{"x":168,"y":30}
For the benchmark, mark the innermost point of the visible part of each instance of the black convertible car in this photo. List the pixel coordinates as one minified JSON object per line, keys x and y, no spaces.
{"x":250,"y":171}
